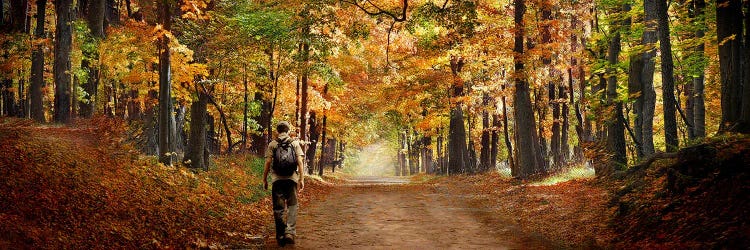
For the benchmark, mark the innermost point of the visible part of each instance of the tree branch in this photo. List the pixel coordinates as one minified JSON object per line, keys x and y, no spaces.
{"x":368,"y":5}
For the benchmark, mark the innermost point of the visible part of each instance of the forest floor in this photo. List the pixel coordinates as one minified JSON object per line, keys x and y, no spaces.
{"x":460,"y":212}
{"x":83,"y":186}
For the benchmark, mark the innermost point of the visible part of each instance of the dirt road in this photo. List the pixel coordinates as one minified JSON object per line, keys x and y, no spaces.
{"x":389,"y":213}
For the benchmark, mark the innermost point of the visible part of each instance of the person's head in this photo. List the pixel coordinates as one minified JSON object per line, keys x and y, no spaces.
{"x":282,"y":127}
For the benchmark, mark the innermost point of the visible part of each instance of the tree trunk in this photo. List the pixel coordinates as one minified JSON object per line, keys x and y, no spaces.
{"x":95,"y":21}
{"x":314,"y":133}
{"x":165,"y":95}
{"x":18,"y":12}
{"x":9,"y":101}
{"x":484,"y":155}
{"x":494,"y":141}
{"x":699,"y":108}
{"x":667,"y":68}
{"x":440,"y":157}
{"x":63,"y":40}
{"x":457,"y":152}
{"x":689,"y":111}
{"x":304,"y":84}
{"x":427,"y":155}
{"x":745,"y":118}
{"x":615,"y":126}
{"x":564,"y":148}
{"x":405,"y":153}
{"x":245,"y":110}
{"x":506,"y":134}
{"x":323,"y":147}
{"x":667,"y":78}
{"x":648,"y":93}
{"x":729,"y":35}
{"x":112,"y":15}
{"x":527,"y":164}
{"x":37,"y":66}
{"x":635,"y":89}
{"x":194,"y":155}
{"x":556,"y":139}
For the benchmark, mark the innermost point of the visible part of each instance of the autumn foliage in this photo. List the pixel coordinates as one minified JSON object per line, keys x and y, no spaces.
{"x":81,"y":187}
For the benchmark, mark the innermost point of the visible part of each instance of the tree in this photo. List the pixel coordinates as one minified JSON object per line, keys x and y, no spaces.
{"x":63,"y":40}
{"x":166,"y":142}
{"x":667,"y":76}
{"x":648,"y":95}
{"x":458,"y":154}
{"x":699,"y":108}
{"x":36,"y":108}
{"x":95,"y":20}
{"x":526,"y":143}
{"x":729,"y":34}
{"x":616,"y":121}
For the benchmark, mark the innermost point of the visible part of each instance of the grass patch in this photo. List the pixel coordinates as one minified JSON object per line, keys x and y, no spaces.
{"x":573,"y":173}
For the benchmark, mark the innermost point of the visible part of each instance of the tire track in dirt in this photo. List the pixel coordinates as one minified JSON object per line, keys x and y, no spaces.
{"x":386,"y":213}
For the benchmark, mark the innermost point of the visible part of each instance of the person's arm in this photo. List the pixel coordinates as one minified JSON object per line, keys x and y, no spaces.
{"x":301,"y":172}
{"x":266,"y":169}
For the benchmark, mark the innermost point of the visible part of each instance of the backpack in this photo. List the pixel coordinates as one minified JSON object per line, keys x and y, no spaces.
{"x":284,"y":158}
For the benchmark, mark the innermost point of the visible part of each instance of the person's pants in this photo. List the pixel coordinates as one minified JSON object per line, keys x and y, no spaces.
{"x":284,"y":194}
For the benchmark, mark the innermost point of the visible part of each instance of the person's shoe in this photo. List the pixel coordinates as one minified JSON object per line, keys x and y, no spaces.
{"x":281,"y":240}
{"x":289,"y":238}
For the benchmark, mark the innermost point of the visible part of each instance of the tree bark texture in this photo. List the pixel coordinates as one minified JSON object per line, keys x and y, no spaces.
{"x":699,"y":103}
{"x":195,"y":153}
{"x":165,"y":87}
{"x":728,"y":16}
{"x":63,"y":41}
{"x":615,"y":123}
{"x":667,"y":78}
{"x":314,"y":133}
{"x":648,"y":93}
{"x":484,"y":155}
{"x":526,"y":144}
{"x":458,"y":154}
{"x":36,"y":97}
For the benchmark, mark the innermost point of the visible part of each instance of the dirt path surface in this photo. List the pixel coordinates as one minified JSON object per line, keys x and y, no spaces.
{"x":389,"y":213}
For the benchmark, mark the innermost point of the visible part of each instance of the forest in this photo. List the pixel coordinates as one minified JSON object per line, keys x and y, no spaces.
{"x":573,"y":123}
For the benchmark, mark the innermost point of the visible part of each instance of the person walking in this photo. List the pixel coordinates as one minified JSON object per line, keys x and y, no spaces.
{"x":284,"y":160}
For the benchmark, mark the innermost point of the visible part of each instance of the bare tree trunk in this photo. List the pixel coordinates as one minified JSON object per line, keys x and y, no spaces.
{"x":165,"y":95}
{"x":648,"y":93}
{"x":457,"y":151}
{"x":745,"y":116}
{"x":485,"y":155}
{"x":314,"y":132}
{"x":304,"y":85}
{"x":635,"y":88}
{"x":245,"y":109}
{"x":564,"y":153}
{"x":667,"y":76}
{"x":194,"y":155}
{"x":527,"y":164}
{"x":494,"y":141}
{"x":729,"y":35}
{"x":615,"y":128}
{"x":699,"y":108}
{"x":63,"y":41}
{"x":508,"y":145}
{"x":323,"y":147}
{"x":37,"y":66}
{"x":440,"y":154}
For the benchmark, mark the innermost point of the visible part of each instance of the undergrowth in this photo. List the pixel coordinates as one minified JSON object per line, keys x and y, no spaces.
{"x":81,"y":187}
